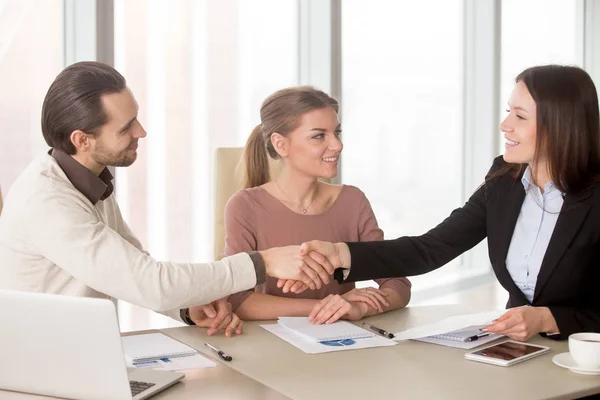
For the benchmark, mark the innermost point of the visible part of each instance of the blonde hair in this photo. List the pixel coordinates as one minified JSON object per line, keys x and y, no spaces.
{"x":281,"y":113}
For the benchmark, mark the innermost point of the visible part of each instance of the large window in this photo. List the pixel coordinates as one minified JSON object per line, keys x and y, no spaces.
{"x":402,"y":111}
{"x":31,"y":55}
{"x":536,"y":32}
{"x":201,"y":68}
{"x":200,"y":71}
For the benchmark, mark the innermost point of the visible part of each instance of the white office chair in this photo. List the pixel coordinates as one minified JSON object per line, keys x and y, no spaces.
{"x":229,"y":179}
{"x":0,"y":200}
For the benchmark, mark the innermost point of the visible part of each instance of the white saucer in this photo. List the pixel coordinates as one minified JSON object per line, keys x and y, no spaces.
{"x":566,"y":361}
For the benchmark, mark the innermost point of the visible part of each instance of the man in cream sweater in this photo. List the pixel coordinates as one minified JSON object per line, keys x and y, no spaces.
{"x":61,"y":230}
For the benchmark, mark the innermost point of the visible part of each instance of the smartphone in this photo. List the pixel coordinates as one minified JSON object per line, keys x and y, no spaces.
{"x":507,"y":353}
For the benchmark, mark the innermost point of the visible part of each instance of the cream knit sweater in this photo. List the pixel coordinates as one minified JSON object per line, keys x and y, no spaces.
{"x":53,"y":240}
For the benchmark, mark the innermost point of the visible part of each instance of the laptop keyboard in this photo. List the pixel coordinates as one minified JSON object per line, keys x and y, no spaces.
{"x":139,"y":387}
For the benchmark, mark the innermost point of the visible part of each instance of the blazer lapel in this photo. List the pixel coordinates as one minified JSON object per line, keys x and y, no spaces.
{"x":508,"y":215}
{"x":571,"y":217}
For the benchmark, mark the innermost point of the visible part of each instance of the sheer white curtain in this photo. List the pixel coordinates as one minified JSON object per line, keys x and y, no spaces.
{"x":31,"y":55}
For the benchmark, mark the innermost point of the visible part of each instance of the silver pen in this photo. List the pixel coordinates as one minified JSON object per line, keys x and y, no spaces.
{"x":378,"y":330}
{"x":221,"y":353}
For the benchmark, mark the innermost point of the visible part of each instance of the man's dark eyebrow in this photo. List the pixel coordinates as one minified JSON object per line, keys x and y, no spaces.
{"x":128,"y":125}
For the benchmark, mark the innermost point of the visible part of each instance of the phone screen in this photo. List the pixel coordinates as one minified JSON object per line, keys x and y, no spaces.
{"x":508,"y":351}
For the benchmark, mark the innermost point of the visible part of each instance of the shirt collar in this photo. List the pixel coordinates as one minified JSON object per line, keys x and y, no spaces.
{"x":93,"y":187}
{"x":527,"y":181}
{"x":526,"y":178}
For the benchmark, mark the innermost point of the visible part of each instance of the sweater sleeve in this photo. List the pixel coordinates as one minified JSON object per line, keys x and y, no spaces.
{"x":122,"y":227}
{"x":369,"y":231}
{"x":240,"y":234}
{"x":68,"y":232}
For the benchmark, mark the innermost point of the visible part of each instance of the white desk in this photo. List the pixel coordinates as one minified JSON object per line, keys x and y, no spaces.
{"x":266,"y":367}
{"x":411,"y":370}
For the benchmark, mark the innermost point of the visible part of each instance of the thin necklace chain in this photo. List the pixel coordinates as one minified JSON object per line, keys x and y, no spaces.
{"x":304,"y":210}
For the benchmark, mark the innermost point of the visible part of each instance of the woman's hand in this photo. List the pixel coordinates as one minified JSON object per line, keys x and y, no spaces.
{"x":373,"y":297}
{"x":352,"y":306}
{"x":217,"y":316}
{"x":522,"y":323}
{"x":334,"y":307}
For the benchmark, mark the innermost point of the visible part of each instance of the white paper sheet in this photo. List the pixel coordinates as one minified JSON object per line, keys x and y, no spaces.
{"x":176,"y":364}
{"x":323,"y":332}
{"x":159,"y":351}
{"x":153,"y":346}
{"x":312,"y":347}
{"x":449,"y":324}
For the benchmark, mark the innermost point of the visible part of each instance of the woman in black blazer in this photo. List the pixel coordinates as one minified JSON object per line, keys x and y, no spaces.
{"x":539,"y":209}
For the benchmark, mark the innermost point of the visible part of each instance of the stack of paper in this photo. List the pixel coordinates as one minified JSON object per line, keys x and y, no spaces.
{"x":313,"y":339}
{"x":158,"y":351}
{"x":454,"y":331}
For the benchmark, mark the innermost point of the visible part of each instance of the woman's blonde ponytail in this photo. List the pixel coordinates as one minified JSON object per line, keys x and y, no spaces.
{"x":255,"y":157}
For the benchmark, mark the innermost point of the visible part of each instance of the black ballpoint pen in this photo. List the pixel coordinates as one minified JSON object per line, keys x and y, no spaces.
{"x":378,"y":330}
{"x":221,"y":353}
{"x":475,"y":337}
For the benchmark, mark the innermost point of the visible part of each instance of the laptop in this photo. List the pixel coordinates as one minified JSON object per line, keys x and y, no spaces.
{"x":69,"y":347}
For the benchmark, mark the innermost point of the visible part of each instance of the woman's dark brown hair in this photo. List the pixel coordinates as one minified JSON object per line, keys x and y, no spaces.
{"x":568,"y":126}
{"x":73,"y":102}
{"x":281,"y":113}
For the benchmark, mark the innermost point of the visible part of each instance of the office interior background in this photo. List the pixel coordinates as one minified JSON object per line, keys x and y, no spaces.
{"x":423,"y":86}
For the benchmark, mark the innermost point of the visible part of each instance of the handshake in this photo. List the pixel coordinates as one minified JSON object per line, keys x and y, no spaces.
{"x":298,"y":268}
{"x":309,"y":265}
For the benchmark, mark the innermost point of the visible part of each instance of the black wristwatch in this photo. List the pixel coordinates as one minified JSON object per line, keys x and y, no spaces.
{"x":184,"y":313}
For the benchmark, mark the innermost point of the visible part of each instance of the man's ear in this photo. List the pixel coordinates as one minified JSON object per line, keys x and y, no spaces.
{"x":280,"y":144}
{"x":80,"y":140}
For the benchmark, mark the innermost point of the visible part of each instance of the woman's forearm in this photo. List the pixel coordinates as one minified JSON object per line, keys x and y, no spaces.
{"x":259,"y":306}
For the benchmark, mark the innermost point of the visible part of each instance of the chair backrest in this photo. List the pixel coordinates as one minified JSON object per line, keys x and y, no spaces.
{"x":0,"y":200}
{"x":229,"y":179}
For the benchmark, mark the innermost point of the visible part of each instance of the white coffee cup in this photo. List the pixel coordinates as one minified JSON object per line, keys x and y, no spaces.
{"x":585,"y":349}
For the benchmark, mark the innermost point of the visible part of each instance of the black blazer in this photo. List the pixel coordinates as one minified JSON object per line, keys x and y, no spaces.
{"x":569,"y":278}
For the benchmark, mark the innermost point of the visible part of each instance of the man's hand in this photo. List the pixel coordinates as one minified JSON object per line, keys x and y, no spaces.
{"x":352,"y":306}
{"x":522,"y":323}
{"x":287,"y":263}
{"x":329,"y":255}
{"x":216,"y":316}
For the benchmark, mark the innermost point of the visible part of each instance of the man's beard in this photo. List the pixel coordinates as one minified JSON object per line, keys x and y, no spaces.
{"x":121,"y":159}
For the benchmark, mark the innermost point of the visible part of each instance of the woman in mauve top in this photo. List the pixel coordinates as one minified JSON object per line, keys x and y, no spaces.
{"x":300,"y":127}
